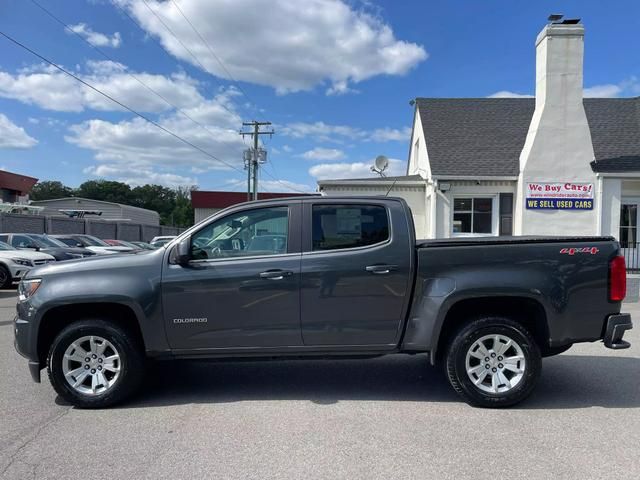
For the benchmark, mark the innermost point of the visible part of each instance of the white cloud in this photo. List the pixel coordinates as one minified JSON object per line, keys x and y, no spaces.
{"x":136,"y":151}
{"x":97,"y":39}
{"x":391,"y":134}
{"x":323,"y":132}
{"x":508,"y":94}
{"x":51,"y":89}
{"x":625,"y":88}
{"x":331,"y":171}
{"x":319,"y":153}
{"x":13,"y":136}
{"x":602,"y":91}
{"x":288,"y":46}
{"x":140,"y":176}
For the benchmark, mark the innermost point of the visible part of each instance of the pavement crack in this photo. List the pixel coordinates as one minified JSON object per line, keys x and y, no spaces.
{"x":14,"y":456}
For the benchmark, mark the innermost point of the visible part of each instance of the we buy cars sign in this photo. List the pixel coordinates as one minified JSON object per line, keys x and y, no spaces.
{"x":559,"y":196}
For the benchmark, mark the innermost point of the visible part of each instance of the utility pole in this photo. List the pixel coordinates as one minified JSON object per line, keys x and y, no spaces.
{"x":254,"y":156}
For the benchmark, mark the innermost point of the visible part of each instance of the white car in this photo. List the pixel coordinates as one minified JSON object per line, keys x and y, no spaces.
{"x":14,"y":263}
{"x":161,"y":240}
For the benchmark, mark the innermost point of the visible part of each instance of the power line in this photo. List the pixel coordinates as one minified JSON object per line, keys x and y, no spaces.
{"x":108,"y":57}
{"x":126,"y":107}
{"x":208,"y":45}
{"x":183,"y":46}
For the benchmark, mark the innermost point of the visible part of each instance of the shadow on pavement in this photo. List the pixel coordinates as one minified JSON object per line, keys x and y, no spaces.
{"x":9,"y":293}
{"x":568,"y":381}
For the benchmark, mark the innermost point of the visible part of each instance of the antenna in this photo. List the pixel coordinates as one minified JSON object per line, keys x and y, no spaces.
{"x":380,"y":164}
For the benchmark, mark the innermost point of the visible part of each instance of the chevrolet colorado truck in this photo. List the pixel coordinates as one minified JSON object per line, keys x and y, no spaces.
{"x":322,"y":277}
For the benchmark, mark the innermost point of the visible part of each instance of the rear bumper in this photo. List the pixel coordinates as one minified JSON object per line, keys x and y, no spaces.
{"x":614,"y":330}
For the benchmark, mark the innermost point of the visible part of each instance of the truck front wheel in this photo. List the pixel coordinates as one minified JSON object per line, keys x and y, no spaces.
{"x":95,"y":364}
{"x":493,"y":362}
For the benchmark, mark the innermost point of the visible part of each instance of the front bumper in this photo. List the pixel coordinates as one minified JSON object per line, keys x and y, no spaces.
{"x":614,"y":329}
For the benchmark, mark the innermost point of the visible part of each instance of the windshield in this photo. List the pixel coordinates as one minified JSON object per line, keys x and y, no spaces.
{"x":50,"y":241}
{"x":92,"y":241}
{"x":42,"y":241}
{"x":6,"y":246}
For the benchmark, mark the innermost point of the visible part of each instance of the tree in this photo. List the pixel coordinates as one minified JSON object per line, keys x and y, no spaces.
{"x":48,"y":190}
{"x":172,"y":204}
{"x":105,"y":190}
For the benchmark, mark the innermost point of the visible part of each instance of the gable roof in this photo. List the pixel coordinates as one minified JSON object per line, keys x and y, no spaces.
{"x":484,"y":136}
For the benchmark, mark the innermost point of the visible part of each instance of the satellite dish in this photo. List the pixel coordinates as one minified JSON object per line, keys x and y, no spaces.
{"x":381,"y":163}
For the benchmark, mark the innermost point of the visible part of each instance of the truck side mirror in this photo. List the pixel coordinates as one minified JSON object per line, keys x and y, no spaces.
{"x":182,"y":252}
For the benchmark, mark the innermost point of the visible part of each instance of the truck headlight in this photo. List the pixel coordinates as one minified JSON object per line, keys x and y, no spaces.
{"x":27,"y":288}
{"x":23,"y":261}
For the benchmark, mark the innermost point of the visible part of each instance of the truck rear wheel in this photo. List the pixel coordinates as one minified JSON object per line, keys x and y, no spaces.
{"x":493,"y":362}
{"x":95,"y":364}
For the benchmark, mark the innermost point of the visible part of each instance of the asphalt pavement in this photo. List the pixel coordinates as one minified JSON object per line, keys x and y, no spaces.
{"x":392,"y":417}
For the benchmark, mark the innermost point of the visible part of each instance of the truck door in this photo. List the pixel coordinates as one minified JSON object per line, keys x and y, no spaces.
{"x":356,"y":272}
{"x":241,"y":288}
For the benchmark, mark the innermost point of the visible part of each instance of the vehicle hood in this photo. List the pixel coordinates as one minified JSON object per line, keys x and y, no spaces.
{"x":29,"y":255}
{"x":70,"y":250}
{"x":99,"y":262}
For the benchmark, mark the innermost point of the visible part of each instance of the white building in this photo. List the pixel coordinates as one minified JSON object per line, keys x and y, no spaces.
{"x":554,"y":165}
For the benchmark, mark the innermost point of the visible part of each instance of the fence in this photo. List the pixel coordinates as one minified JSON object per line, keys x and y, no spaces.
{"x":631,"y":252}
{"x":17,"y":223}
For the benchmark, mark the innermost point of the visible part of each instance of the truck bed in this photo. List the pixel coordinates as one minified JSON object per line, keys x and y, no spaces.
{"x":506,"y":240}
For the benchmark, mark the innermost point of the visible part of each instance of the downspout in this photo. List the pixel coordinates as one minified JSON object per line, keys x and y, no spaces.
{"x":432,"y":206}
{"x":600,"y":211}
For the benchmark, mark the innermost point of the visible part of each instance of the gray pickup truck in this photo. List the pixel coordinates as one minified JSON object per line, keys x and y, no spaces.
{"x":322,"y":277}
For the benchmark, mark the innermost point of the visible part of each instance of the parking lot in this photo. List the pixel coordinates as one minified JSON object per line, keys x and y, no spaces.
{"x":391,"y":417}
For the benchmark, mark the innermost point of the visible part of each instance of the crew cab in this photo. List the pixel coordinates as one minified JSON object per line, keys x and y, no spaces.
{"x":322,"y":277}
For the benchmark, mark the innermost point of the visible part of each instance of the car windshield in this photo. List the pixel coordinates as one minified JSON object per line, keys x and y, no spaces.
{"x":50,"y":241}
{"x":6,"y":246}
{"x":42,"y":241}
{"x":92,"y":241}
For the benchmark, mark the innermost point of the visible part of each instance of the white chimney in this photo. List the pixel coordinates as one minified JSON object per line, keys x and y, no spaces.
{"x":558,"y":148}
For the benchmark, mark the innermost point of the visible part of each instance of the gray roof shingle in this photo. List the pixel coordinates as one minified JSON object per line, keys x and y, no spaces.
{"x":484,"y":136}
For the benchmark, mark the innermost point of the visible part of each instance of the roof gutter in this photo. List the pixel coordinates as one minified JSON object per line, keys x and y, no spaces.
{"x":479,"y":177}
{"x":372,"y":182}
{"x":619,"y":174}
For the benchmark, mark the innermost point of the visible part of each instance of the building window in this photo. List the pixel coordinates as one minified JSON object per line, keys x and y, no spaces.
{"x":473,"y":215}
{"x":628,"y":225}
{"x":416,"y":148}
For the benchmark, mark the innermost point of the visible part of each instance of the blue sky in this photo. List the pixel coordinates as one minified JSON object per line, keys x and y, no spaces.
{"x":335,"y":77}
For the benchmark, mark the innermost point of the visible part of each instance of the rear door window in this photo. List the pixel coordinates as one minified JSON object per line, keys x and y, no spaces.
{"x":348,"y":226}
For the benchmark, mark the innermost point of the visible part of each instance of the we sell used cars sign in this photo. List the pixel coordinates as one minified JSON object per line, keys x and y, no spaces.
{"x":559,"y":196}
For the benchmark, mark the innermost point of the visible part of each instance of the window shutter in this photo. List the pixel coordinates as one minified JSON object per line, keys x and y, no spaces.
{"x":506,"y":214}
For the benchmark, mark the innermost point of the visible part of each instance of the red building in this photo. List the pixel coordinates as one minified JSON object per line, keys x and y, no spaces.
{"x":208,"y":203}
{"x":13,"y":186}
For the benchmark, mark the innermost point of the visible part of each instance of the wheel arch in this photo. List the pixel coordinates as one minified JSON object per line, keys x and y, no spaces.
{"x":527,"y":311}
{"x":56,"y":318}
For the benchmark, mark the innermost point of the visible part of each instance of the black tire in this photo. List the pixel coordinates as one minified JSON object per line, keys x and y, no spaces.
{"x":5,"y":277}
{"x":464,"y":340}
{"x":131,"y":363}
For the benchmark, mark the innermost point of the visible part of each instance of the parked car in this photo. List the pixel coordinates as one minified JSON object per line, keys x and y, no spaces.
{"x":91,"y":243}
{"x":45,"y":244}
{"x":161,"y":241}
{"x":349,"y":280}
{"x":123,"y":243}
{"x":144,"y":245}
{"x":14,"y":263}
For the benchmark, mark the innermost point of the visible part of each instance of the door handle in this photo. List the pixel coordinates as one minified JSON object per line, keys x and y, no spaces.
{"x":380,"y":269}
{"x":276,"y":274}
